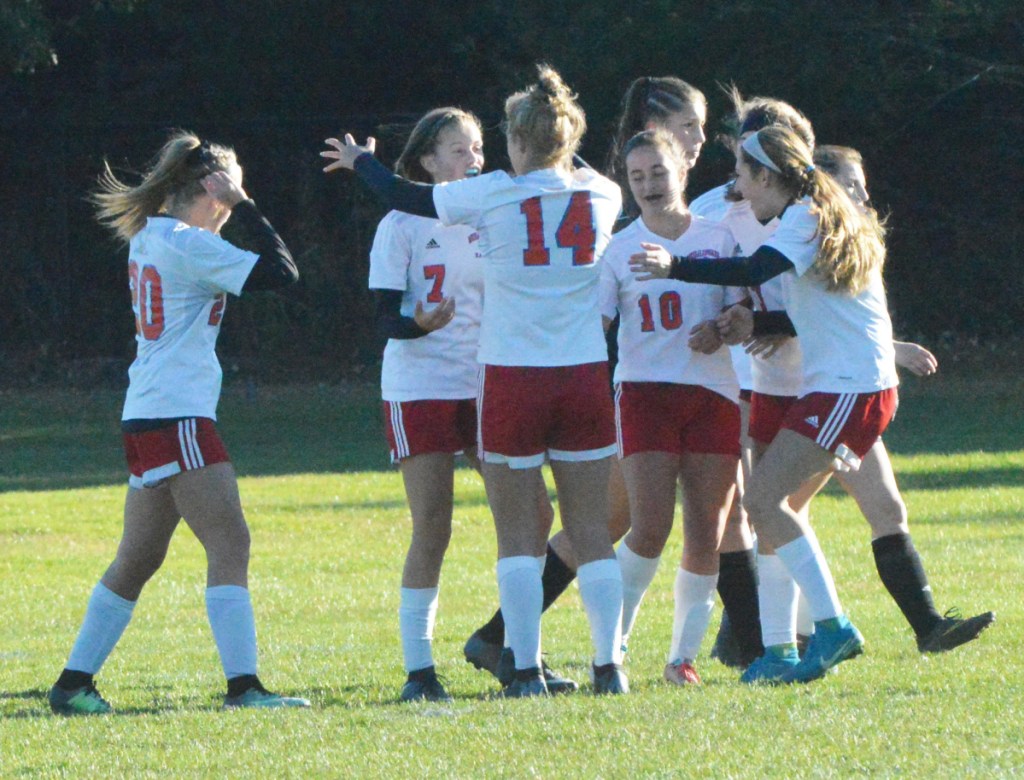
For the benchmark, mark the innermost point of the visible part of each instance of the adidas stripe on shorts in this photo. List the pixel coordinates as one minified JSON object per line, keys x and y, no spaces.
{"x":845,"y":424}
{"x":185,"y":445}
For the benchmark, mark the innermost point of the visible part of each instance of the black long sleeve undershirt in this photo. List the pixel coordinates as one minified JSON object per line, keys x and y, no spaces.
{"x":766,"y":263}
{"x":275,"y":267}
{"x":773,"y":323}
{"x":391,"y":324}
{"x":400,"y":194}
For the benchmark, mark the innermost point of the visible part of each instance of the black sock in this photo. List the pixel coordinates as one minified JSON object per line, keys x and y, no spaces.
{"x":239,"y":685}
{"x":737,"y":585}
{"x":556,"y":578}
{"x":525,"y":675}
{"x":70,"y":680}
{"x":901,"y":571}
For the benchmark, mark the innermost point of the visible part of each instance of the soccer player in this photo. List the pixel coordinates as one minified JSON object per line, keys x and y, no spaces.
{"x":831,"y":253}
{"x":543,"y":391}
{"x":777,"y":377}
{"x":676,"y":413}
{"x":180,"y":273}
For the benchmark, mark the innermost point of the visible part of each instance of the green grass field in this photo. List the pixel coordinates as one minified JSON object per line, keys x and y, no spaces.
{"x":330,"y":526}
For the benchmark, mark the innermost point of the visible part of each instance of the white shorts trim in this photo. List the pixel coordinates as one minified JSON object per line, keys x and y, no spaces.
{"x":154,"y":477}
{"x":398,"y":429}
{"x":515,"y":461}
{"x":580,"y":456}
{"x":618,"y":421}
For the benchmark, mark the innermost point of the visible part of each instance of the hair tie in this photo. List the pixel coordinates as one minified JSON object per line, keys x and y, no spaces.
{"x":809,"y":169}
{"x":547,"y":89}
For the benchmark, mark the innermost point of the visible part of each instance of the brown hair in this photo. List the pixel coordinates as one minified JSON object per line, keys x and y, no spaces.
{"x":546,"y":119}
{"x":423,"y":140}
{"x":172,"y":181}
{"x":852,"y":246}
{"x":831,"y":158}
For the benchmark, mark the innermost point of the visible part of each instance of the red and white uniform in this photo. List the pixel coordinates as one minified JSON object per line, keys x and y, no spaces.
{"x":429,"y":262}
{"x":180,"y":277}
{"x":542,"y":235}
{"x":656,"y":316}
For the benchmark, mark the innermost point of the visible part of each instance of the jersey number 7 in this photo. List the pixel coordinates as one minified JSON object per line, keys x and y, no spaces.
{"x":576,"y":230}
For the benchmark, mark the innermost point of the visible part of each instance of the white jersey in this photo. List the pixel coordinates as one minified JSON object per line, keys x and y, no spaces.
{"x":846,"y":340}
{"x":782,"y":373}
{"x":429,"y":262}
{"x":656,"y":316}
{"x":541,"y":237}
{"x":179,"y":276}
{"x":714,"y":206}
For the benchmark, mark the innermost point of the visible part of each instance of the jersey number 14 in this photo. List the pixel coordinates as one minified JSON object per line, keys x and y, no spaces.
{"x":575,"y":231}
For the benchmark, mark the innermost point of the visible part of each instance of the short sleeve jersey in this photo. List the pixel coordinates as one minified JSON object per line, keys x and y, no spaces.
{"x":179,"y":278}
{"x":846,"y":340}
{"x":656,"y":316}
{"x":429,"y":262}
{"x":782,"y":373}
{"x":714,"y":206}
{"x":542,"y":235}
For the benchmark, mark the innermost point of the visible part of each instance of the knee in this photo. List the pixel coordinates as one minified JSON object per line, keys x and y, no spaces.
{"x":231,"y":551}
{"x":432,"y":545}
{"x":889,"y":517}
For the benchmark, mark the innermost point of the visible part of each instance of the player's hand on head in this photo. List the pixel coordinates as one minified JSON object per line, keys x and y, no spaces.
{"x":222,"y":187}
{"x":436,"y":318}
{"x":735,"y":324}
{"x":704,"y":338}
{"x":344,"y":153}
{"x":915,"y":358}
{"x":653,"y":262}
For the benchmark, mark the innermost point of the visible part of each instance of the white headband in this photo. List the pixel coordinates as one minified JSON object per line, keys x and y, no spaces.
{"x":752,"y":146}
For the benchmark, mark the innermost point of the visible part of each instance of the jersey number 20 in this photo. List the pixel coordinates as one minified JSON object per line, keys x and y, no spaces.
{"x":576,"y":230}
{"x":147,"y":300}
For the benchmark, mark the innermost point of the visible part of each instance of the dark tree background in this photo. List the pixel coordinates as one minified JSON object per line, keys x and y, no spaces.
{"x":930,"y":92}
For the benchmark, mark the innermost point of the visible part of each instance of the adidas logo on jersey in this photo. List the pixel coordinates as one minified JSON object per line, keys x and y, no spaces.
{"x":812,"y":420}
{"x":474,"y":237}
{"x":432,"y":244}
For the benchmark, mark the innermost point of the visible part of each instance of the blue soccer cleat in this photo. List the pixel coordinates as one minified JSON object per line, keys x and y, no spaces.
{"x":833,"y":641}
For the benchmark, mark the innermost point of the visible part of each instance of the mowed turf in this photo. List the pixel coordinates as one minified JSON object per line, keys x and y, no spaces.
{"x":330,"y":527}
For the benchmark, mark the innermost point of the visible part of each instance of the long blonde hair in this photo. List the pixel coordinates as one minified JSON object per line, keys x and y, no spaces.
{"x":852,"y":242}
{"x":546,"y":119}
{"x":171,"y":182}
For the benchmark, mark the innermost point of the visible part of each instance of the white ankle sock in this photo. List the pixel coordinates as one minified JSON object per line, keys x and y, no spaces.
{"x":417,"y":611}
{"x":234,"y":628}
{"x":776,"y":597}
{"x":522,"y":596}
{"x":600,"y":584}
{"x":694,"y":603}
{"x":806,"y":562}
{"x":637,"y":573}
{"x":106,"y":618}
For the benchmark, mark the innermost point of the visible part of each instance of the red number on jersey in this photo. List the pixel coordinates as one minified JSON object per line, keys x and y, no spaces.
{"x":435,"y":272}
{"x":670,"y":307}
{"x":576,"y":231}
{"x":217,"y":310}
{"x":147,"y":300}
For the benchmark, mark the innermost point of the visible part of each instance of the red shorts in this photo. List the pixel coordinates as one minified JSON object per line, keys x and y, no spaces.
{"x":766,"y":415}
{"x":666,"y":417}
{"x":561,"y":412}
{"x":845,"y":424}
{"x":189,"y":444}
{"x":419,"y":427}
{"x":745,"y":395}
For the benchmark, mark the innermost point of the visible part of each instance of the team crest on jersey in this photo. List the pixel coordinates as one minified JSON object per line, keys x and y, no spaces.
{"x":474,"y":236}
{"x":812,"y":420}
{"x":432,"y":244}
{"x":699,"y":253}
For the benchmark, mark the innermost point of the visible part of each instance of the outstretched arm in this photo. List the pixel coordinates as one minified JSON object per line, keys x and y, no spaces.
{"x":654,"y":262}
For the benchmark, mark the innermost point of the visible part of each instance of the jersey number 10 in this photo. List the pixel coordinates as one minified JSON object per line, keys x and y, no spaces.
{"x":576,"y":230}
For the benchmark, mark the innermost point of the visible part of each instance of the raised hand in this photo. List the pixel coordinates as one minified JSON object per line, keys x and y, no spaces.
{"x":344,"y":153}
{"x":654,"y":262}
{"x":220,"y":186}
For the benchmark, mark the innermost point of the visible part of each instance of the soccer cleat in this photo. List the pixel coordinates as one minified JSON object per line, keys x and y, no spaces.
{"x":770,"y":667}
{"x":681,"y":673}
{"x":258,"y":698}
{"x":506,"y":673}
{"x":81,"y":701}
{"x":954,"y":630}
{"x":726,"y":649}
{"x":527,"y":684}
{"x":610,"y":679}
{"x":424,"y":685}
{"x":505,"y":670}
{"x":483,"y":654}
{"x":833,"y":641}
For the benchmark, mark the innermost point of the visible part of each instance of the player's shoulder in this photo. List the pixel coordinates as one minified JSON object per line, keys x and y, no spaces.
{"x":711,"y":204}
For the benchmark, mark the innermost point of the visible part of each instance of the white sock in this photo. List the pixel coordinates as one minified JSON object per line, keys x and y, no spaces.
{"x":804,"y":621}
{"x":234,"y":628}
{"x":806,"y":562}
{"x":695,"y":601}
{"x":522,"y":596}
{"x":776,"y":597}
{"x":105,"y":620}
{"x":600,"y":584}
{"x":417,"y":611}
{"x":637,"y":573}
